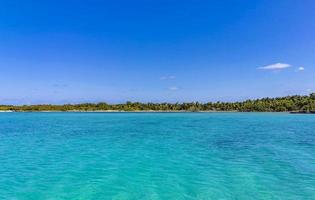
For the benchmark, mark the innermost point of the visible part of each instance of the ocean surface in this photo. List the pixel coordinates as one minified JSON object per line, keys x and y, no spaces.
{"x":97,"y":156}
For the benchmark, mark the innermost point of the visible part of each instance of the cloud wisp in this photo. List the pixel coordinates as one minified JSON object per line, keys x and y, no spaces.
{"x":163,"y":78}
{"x":276,"y":66}
{"x":300,"y":69}
{"x":173,"y":88}
{"x":59,"y":85}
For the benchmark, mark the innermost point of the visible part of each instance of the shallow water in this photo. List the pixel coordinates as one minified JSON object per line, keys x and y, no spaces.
{"x":157,"y":156}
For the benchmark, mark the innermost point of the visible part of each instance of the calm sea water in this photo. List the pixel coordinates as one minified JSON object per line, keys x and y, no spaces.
{"x":156,"y":156}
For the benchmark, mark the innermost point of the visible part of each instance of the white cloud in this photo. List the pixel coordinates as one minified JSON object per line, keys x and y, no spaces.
{"x":300,"y":69}
{"x":173,"y":88}
{"x":276,"y":66}
{"x":167,"y":77}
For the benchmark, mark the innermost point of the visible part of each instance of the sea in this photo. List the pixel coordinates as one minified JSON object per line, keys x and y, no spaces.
{"x":152,"y":156}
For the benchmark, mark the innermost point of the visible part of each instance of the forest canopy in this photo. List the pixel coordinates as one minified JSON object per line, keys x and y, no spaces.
{"x":280,"y":104}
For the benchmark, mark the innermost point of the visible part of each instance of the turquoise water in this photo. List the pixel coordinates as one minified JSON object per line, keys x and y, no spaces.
{"x":156,"y":156}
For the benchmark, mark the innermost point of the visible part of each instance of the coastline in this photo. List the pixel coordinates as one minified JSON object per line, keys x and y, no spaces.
{"x":141,"y":111}
{"x":119,"y":111}
{"x":289,"y":104}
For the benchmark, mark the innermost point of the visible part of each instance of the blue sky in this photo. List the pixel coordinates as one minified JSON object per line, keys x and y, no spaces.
{"x":155,"y":51}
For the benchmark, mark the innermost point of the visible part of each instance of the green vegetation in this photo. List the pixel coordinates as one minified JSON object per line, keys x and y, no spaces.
{"x":281,"y":104}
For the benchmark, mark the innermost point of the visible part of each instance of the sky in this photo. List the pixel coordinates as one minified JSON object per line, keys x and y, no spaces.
{"x":155,"y":51}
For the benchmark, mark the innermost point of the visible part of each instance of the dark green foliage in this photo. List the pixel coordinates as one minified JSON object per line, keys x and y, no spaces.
{"x":282,"y":104}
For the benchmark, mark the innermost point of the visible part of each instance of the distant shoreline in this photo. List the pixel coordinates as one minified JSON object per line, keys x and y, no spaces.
{"x":140,"y":111}
{"x":294,"y":104}
{"x":121,"y":111}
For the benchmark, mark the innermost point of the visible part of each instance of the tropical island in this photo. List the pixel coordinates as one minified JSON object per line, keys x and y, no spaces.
{"x":293,"y":104}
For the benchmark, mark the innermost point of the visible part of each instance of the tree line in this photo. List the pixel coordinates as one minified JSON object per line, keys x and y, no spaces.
{"x":280,"y":104}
